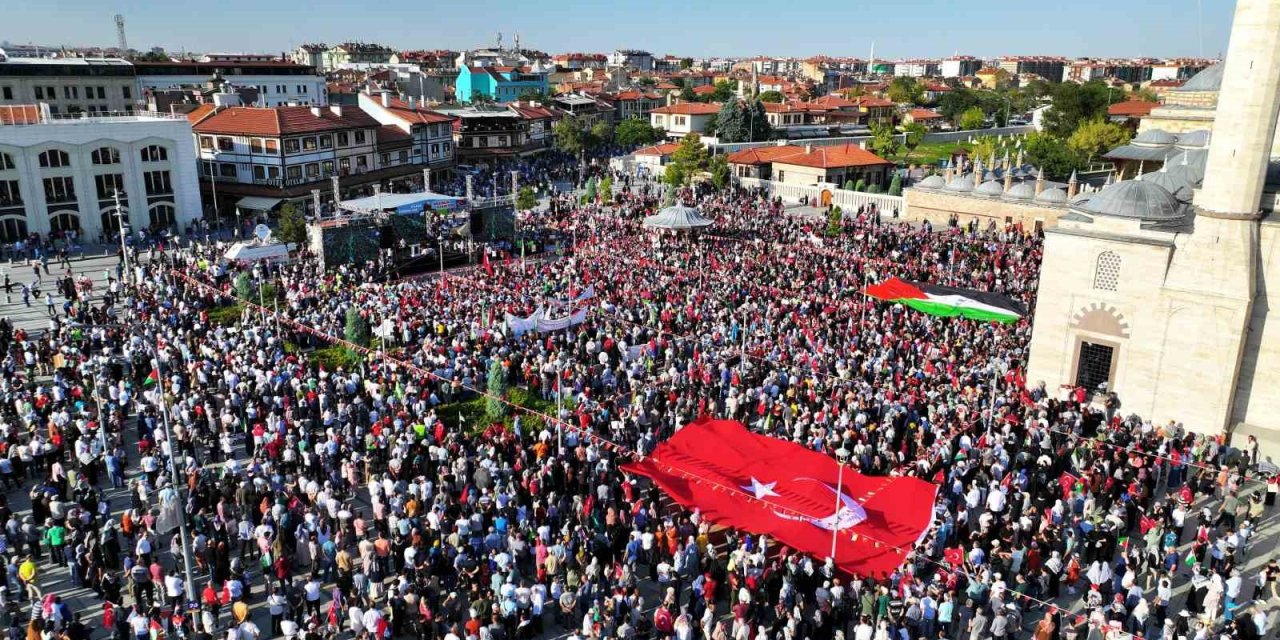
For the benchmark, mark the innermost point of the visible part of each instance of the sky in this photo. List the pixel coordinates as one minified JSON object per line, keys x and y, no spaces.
{"x":899,"y":28}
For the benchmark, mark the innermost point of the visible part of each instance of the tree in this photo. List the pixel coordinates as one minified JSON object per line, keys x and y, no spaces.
{"x":742,"y":121}
{"x":526,"y":199}
{"x":955,"y":103}
{"x":357,"y":328}
{"x":570,"y":136}
{"x":848,"y":185}
{"x":686,"y":63}
{"x":724,"y":90}
{"x":1051,"y":154}
{"x":718,"y":165}
{"x":591,"y":189}
{"x":915,"y":133}
{"x":647,"y":81}
{"x":835,"y":222}
{"x":244,"y":286}
{"x":905,"y":90}
{"x":770,"y":96}
{"x":895,"y":184}
{"x":292,"y":227}
{"x":1077,"y":103}
{"x":1145,"y":94}
{"x":601,"y":133}
{"x":688,"y":159}
{"x":606,"y":188}
{"x":712,"y":125}
{"x":687,"y":95}
{"x":1097,"y":136}
{"x":496,"y":385}
{"x":984,"y":147}
{"x":972,"y":118}
{"x":884,"y":142}
{"x":874,"y":188}
{"x":634,"y":132}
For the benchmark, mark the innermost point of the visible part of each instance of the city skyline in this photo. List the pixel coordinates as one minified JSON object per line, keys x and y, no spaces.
{"x":1167,"y":30}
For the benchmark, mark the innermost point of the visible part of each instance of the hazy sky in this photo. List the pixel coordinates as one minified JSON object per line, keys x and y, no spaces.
{"x":900,"y":28}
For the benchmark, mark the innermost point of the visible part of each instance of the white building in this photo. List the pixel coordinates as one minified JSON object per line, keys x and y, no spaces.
{"x":58,"y":174}
{"x":632,"y":59}
{"x":432,"y":132}
{"x":278,"y":83}
{"x":69,"y":85}
{"x":916,"y":68}
{"x":683,"y":118}
{"x":960,"y":66}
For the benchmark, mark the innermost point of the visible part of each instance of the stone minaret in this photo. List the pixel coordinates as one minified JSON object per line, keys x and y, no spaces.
{"x":1040,"y":181}
{"x":1073,"y":185}
{"x":1214,"y":273}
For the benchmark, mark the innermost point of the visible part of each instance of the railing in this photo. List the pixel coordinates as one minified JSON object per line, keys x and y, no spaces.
{"x":98,"y":117}
{"x":843,"y":198}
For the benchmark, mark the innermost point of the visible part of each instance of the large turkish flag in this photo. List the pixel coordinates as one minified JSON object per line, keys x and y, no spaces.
{"x":769,"y":486}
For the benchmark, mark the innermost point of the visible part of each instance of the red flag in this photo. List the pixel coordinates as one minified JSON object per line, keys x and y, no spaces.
{"x":715,"y":264}
{"x":488,"y":268}
{"x":769,"y":486}
{"x":1146,"y":524}
{"x":1065,"y":481}
{"x":954,"y":556}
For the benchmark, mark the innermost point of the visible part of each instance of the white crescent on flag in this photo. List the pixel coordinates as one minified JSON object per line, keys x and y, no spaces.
{"x":849,"y":514}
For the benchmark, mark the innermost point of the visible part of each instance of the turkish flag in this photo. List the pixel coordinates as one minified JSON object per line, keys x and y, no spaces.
{"x":954,"y":556}
{"x":799,"y":497}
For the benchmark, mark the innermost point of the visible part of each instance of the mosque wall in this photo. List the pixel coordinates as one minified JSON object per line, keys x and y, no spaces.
{"x":1257,"y":400}
{"x":937,"y":206}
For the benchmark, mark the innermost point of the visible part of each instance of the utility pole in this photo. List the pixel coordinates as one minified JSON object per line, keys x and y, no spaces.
{"x":124,"y":249}
{"x":173,"y":477}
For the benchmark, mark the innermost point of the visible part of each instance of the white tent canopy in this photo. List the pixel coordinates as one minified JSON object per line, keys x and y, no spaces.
{"x":677,"y":217}
{"x":255,"y":203}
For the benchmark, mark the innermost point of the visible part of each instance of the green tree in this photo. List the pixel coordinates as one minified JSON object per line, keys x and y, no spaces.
{"x":884,"y":142}
{"x":743,"y":121}
{"x":571,"y":138}
{"x":634,"y":132}
{"x":606,"y":188}
{"x":972,"y":118}
{"x":496,"y":385}
{"x":1074,"y":104}
{"x":1096,"y":137}
{"x":1051,"y":154}
{"x":874,"y":188}
{"x":905,"y":90}
{"x":1145,"y":94}
{"x":601,"y":133}
{"x":675,"y":175}
{"x":835,"y":222}
{"x":915,"y":133}
{"x":292,"y":227}
{"x":687,"y":95}
{"x":984,"y":147}
{"x":718,"y":165}
{"x":725,"y":90}
{"x":688,"y":159}
{"x":244,"y":286}
{"x":357,"y":327}
{"x":686,"y":63}
{"x":712,"y":125}
{"x":591,"y":189}
{"x":771,"y":96}
{"x":895,"y":184}
{"x":533,"y":95}
{"x":526,"y":199}
{"x":848,"y":185}
{"x":956,"y":102}
{"x":646,"y":81}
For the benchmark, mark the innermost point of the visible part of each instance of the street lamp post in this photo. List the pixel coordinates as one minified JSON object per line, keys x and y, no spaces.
{"x":559,"y":407}
{"x":124,"y":249}
{"x":213,"y":184}
{"x":842,"y":457}
{"x":188,"y":569}
{"x":440,"y":240}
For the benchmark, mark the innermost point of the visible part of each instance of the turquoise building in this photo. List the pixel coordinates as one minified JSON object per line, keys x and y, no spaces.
{"x":500,"y":84}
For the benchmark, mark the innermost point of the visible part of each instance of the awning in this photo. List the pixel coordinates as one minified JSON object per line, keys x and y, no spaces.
{"x":254,"y":203}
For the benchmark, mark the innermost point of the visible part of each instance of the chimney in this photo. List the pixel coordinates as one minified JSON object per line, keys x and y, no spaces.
{"x":315,"y":111}
{"x":413,"y":103}
{"x":336,"y":109}
{"x":386,"y":98}
{"x":808,"y":148}
{"x":1072,"y":186}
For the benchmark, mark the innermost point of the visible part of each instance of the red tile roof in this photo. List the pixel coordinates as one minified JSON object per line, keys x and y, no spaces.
{"x":657,"y":150}
{"x":924,"y":114}
{"x":276,"y":121}
{"x":690,"y":108}
{"x":764,"y":155}
{"x":789,"y":107}
{"x":849,"y":155}
{"x":1167,"y":82}
{"x":1132,"y":108}
{"x":391,"y":135}
{"x":704,"y":90}
{"x":832,"y":102}
{"x":531,"y":112}
{"x":417,"y":115}
{"x":19,"y":114}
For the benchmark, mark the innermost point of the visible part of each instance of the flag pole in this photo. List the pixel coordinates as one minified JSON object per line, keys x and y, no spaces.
{"x":842,"y":455}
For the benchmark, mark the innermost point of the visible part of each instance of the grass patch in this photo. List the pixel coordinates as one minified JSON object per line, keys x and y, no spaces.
{"x":472,"y":416}
{"x":334,"y":356}
{"x":226,"y":315}
{"x":469,"y":416}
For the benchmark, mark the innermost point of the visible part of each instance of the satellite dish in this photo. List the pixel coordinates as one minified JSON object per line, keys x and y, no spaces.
{"x":262,"y":232}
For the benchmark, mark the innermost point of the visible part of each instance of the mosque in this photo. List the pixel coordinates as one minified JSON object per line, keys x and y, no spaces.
{"x":1157,"y":287}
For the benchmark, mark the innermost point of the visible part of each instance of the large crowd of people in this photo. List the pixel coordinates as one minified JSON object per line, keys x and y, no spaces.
{"x":454,"y":482}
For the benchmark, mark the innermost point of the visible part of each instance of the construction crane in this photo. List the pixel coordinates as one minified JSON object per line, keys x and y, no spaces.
{"x":121,"y":41}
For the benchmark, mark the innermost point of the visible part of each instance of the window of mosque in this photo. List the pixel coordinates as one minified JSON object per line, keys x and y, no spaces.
{"x":1106,"y":275}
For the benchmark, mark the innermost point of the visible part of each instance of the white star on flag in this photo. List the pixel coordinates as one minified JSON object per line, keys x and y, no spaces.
{"x":761,"y":489}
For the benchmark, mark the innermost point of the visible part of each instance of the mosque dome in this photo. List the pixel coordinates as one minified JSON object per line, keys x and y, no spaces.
{"x":932,"y":182}
{"x":1172,"y":182}
{"x":1052,"y":196}
{"x":1021,"y":191}
{"x":1154,"y":138}
{"x":961,"y":184}
{"x":1135,"y":200}
{"x":1197,"y":139}
{"x":989,"y":188}
{"x":1188,"y":165}
{"x":1209,"y":79}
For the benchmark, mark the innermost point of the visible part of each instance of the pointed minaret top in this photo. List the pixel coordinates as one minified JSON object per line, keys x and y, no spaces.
{"x":1072,"y":179}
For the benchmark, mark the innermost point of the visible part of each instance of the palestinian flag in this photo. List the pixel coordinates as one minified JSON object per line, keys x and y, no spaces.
{"x":948,"y":301}
{"x":152,"y":379}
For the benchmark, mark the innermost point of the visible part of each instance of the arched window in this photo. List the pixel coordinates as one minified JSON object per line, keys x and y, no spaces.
{"x":6,"y":162}
{"x":162,"y":215}
{"x":64,"y":222}
{"x":155,"y":153}
{"x":54,"y":158}
{"x":13,"y":228}
{"x":1106,"y":274}
{"x":106,"y":155}
{"x":110,"y":221}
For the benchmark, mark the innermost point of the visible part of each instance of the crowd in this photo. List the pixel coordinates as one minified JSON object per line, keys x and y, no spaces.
{"x":455,"y":482}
